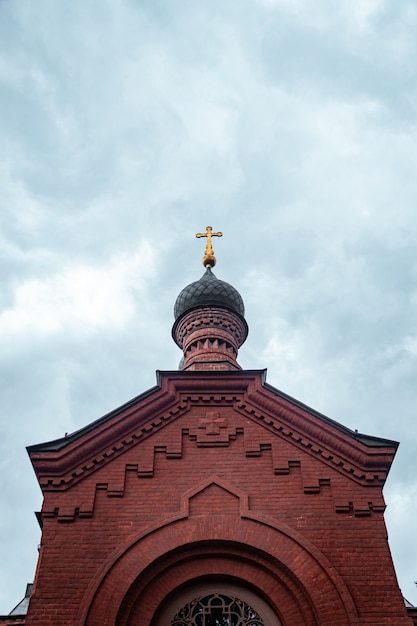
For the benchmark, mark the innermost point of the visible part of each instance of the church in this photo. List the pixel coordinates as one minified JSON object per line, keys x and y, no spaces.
{"x":213,"y":499}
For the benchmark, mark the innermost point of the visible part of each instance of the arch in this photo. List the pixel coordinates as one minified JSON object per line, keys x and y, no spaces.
{"x":199,"y":598}
{"x":202,"y":563}
{"x":293,"y":576}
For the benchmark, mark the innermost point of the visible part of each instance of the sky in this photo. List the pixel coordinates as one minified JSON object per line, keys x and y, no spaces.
{"x":126,"y":127}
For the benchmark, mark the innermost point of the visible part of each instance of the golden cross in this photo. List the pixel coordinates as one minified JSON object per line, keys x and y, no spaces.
{"x":209,"y":260}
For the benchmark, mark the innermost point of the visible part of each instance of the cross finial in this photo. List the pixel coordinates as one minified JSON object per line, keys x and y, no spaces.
{"x":209,"y":260}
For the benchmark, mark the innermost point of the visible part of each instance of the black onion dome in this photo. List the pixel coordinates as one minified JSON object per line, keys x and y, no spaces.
{"x":209,"y":291}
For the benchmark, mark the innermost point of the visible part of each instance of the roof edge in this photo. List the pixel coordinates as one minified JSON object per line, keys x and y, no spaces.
{"x":369,"y":440}
{"x":56,"y":444}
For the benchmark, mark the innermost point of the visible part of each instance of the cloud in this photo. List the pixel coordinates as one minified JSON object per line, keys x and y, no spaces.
{"x":402,"y":505}
{"x":79,"y":298}
{"x":288,"y":125}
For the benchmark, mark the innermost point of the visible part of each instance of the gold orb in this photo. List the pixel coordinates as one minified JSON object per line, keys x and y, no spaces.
{"x":209,"y":260}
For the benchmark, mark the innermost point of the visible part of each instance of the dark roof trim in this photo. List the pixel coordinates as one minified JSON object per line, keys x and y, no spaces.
{"x":21,"y":609}
{"x":368,"y":440}
{"x":57,"y":444}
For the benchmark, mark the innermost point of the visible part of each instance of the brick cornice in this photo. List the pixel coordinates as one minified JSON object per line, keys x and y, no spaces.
{"x":365,"y":459}
{"x":63,"y":462}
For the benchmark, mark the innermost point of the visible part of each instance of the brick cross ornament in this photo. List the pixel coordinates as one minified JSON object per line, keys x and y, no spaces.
{"x":212,"y":423}
{"x":212,"y":430}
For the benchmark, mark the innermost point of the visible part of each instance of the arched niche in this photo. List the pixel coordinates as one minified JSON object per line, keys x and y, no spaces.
{"x":294,"y":578}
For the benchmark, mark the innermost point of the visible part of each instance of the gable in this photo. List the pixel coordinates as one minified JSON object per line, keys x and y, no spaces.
{"x":211,"y":410}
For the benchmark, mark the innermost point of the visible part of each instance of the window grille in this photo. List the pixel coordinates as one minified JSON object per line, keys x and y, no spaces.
{"x":217,"y":609}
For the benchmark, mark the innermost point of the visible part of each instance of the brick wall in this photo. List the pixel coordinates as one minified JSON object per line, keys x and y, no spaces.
{"x":223,"y":480}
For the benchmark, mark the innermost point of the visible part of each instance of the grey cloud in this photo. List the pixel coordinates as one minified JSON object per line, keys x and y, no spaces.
{"x":293,"y":133}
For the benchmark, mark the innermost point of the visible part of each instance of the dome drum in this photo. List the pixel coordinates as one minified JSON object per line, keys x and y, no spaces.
{"x":215,"y":335}
{"x":210,"y":335}
{"x":218,"y":320}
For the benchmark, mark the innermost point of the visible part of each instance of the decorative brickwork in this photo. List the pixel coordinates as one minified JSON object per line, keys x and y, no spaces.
{"x":210,"y":336}
{"x":214,"y":476}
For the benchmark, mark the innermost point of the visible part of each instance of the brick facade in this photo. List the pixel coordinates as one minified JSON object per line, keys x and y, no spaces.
{"x":214,"y":477}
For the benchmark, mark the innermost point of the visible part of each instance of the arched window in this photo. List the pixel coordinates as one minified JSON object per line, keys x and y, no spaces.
{"x":220,"y":604}
{"x":217,"y":609}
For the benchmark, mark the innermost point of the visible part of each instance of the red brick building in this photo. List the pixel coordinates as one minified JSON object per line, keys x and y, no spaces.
{"x":213,"y":499}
